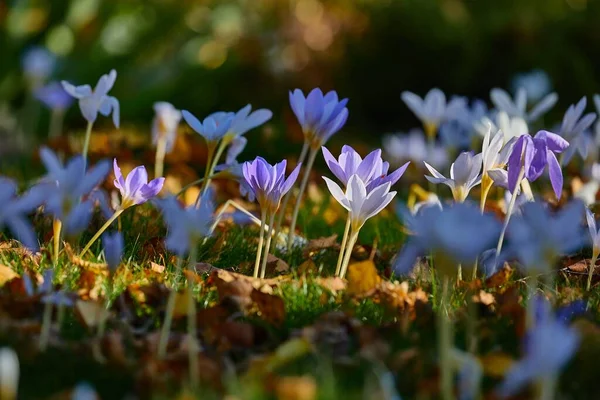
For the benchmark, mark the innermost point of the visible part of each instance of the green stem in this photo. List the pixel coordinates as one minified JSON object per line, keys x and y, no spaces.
{"x":101,"y":231}
{"x":86,"y":143}
{"x":159,"y":160}
{"x":445,"y":343}
{"x":546,"y":387}
{"x":311,"y":160}
{"x":57,"y":228}
{"x":263,"y":268}
{"x":343,"y":246}
{"x":532,"y":286}
{"x":209,"y":167}
{"x":191,"y":319}
{"x":348,"y":253}
{"x":286,"y":198}
{"x":166,"y":327}
{"x":591,"y":271}
{"x":56,"y":123}
{"x":509,"y":212}
{"x":261,"y":238}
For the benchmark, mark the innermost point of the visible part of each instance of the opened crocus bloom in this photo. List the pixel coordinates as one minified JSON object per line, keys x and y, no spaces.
{"x":135,"y":189}
{"x":464,"y":175}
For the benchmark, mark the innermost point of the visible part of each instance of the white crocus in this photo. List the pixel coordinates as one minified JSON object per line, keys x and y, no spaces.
{"x":464,"y":175}
{"x":361,"y":204}
{"x":495,"y":156}
{"x":511,"y":126}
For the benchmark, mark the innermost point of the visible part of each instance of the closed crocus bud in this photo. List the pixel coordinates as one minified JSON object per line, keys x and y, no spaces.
{"x":9,"y":374}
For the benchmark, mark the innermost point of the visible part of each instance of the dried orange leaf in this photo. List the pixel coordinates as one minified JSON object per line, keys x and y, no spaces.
{"x":7,"y":274}
{"x":362,"y":278}
{"x":270,"y":307}
{"x":296,"y":388}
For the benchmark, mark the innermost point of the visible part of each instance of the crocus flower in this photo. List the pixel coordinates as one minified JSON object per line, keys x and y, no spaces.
{"x":456,"y":135}
{"x":536,"y":84}
{"x":548,"y":347}
{"x":165,"y":123}
{"x":533,"y":155}
{"x":470,"y":374}
{"x":244,"y":120}
{"x":537,"y":237}
{"x":518,"y":108}
{"x":464,"y":175}
{"x":97,"y":101}
{"x":573,"y":129}
{"x":236,"y":171}
{"x":432,"y":110}
{"x":213,"y":128}
{"x":135,"y":189}
{"x":54,"y":96}
{"x":268,"y":181}
{"x":494,"y":153}
{"x":186,"y":226}
{"x":510,"y":127}
{"x":595,"y":239}
{"x":434,"y":231}
{"x":13,"y":211}
{"x":113,"y":249}
{"x":320,"y":116}
{"x":414,"y":147}
{"x":372,"y":170}
{"x":38,"y":64}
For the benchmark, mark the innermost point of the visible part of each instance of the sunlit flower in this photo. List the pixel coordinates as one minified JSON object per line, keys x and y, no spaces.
{"x":414,"y":147}
{"x":165,"y":123}
{"x":464,"y":175}
{"x":320,"y":116}
{"x":244,"y":120}
{"x":54,"y":96}
{"x":510,"y":127}
{"x":518,"y":108}
{"x":432,"y":110}
{"x":573,"y":129}
{"x":213,"y":128}
{"x":97,"y":101}
{"x":268,"y":181}
{"x":136,"y":189}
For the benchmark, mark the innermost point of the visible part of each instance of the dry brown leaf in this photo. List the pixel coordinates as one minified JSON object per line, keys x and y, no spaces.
{"x":332,"y":283}
{"x":321,"y":243}
{"x":276,"y":264}
{"x":362,"y":278}
{"x":500,"y":278}
{"x":159,"y":269}
{"x":484,"y":298}
{"x":270,"y":307}
{"x":97,"y":268}
{"x":7,"y":274}
{"x":296,"y":388}
{"x":91,"y":312}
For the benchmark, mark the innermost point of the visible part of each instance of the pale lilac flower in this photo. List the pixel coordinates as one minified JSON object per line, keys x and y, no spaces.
{"x":136,"y":189}
{"x":165,"y":123}
{"x":518,"y":108}
{"x":244,"y":120}
{"x":464,"y":175}
{"x":13,"y":211}
{"x":548,"y":348}
{"x":268,"y":181}
{"x":432,"y":110}
{"x":360,"y":203}
{"x":434,"y":230}
{"x":97,"y":101}
{"x":320,"y":116}
{"x":238,"y":144}
{"x":54,"y":96}
{"x":455,"y":134}
{"x":536,"y":84}
{"x":574,"y":129}
{"x":510,"y":127}
{"x":494,"y":153}
{"x":38,"y":64}
{"x":113,"y":249}
{"x":414,"y":147}
{"x":587,"y":192}
{"x":187,"y":226}
{"x":594,"y":232}
{"x":213,"y":128}
{"x":537,"y":237}
{"x":534,"y":154}
{"x":470,"y":374}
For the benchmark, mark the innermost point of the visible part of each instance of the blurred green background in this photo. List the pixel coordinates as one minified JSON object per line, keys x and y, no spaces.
{"x":206,"y":56}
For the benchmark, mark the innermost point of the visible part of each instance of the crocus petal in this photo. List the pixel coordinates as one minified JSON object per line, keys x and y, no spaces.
{"x":297,"y":101}
{"x":542,"y":107}
{"x":22,"y":230}
{"x":414,"y":103}
{"x":337,"y":193}
{"x":152,"y":188}
{"x":356,"y":193}
{"x":556,"y":177}
{"x":553,"y":141}
{"x":514,"y":162}
{"x":591,"y":222}
{"x":193,"y":122}
{"x":119,"y":181}
{"x":135,"y":180}
{"x":291,"y":179}
{"x":334,"y":166}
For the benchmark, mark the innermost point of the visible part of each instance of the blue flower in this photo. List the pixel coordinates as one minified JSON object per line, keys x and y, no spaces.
{"x":538,"y":237}
{"x":536,"y":84}
{"x":518,"y":108}
{"x":54,"y":96}
{"x":548,"y":348}
{"x":97,"y":101}
{"x":243,"y":120}
{"x":113,"y":249}
{"x":432,"y":110}
{"x":13,"y":211}
{"x":434,"y":231}
{"x":414,"y":147}
{"x":573,"y":129}
{"x":320,"y":116}
{"x":213,"y":128}
{"x":38,"y":63}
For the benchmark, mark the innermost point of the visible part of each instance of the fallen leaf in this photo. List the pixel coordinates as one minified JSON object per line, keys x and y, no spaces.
{"x":7,"y":274}
{"x":276,"y":264}
{"x":321,"y":244}
{"x":307,"y":267}
{"x":484,"y":298}
{"x":270,"y":307}
{"x":362,"y":278}
{"x":332,"y":283}
{"x":296,"y":388}
{"x":500,"y":278}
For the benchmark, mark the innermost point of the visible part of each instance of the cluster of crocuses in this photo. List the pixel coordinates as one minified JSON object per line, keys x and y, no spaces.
{"x":457,"y":236}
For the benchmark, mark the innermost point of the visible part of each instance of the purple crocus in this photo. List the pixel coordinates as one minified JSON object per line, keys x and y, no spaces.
{"x":213,"y":128}
{"x":13,"y":211}
{"x":320,"y":116}
{"x":531,"y":155}
{"x":54,"y":96}
{"x":135,"y":189}
{"x":268,"y":181}
{"x":113,"y":249}
{"x":244,"y":120}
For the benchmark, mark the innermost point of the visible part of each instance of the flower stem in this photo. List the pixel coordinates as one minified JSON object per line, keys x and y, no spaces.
{"x":591,"y":271}
{"x":532,"y":286}
{"x":286,"y":198}
{"x":546,"y":387}
{"x":509,"y":212}
{"x":348,"y":253}
{"x":263,"y":268}
{"x":261,"y":238}
{"x":86,"y":143}
{"x":311,"y":160}
{"x":56,"y":123}
{"x":343,"y":246}
{"x":191,"y":320}
{"x":46,"y":322}
{"x":159,"y":160}
{"x":207,"y":171}
{"x":445,"y":343}
{"x":101,"y":231}
{"x":486,"y":185}
{"x":57,"y":228}
{"x":166,"y":327}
